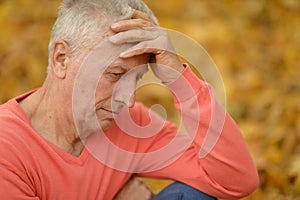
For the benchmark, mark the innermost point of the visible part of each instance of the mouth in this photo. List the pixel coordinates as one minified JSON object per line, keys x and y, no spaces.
{"x":110,"y":111}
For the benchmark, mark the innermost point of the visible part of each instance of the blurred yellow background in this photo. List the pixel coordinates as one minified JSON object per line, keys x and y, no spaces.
{"x":254,"y":43}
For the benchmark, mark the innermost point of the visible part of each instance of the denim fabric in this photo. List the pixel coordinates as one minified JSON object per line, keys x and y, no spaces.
{"x":181,"y":191}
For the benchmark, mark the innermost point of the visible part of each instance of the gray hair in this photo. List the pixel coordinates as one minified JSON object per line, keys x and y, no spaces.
{"x":81,"y":23}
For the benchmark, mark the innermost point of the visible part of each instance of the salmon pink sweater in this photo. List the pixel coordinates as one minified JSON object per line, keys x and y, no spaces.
{"x":216,"y":159}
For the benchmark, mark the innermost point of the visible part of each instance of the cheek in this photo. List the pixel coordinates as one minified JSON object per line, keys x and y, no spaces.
{"x":104,"y":90}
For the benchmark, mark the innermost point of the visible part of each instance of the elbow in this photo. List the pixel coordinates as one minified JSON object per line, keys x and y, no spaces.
{"x":248,"y":184}
{"x":252,"y":185}
{"x":242,"y":185}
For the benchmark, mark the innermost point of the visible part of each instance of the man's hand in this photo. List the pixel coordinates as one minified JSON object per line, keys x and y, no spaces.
{"x":134,"y":190}
{"x":149,"y":39}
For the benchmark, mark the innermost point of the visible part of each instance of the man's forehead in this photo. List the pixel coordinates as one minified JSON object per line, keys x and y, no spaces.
{"x":131,"y":63}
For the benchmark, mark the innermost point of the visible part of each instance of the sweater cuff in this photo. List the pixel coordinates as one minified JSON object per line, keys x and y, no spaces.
{"x":187,"y":85}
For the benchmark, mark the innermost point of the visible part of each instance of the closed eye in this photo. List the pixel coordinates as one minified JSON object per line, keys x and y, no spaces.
{"x":116,"y":76}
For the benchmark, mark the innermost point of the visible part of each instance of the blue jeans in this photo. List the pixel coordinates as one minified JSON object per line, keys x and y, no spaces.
{"x":181,"y":191}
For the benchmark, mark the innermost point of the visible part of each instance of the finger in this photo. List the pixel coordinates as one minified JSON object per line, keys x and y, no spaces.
{"x":131,"y":36}
{"x":129,"y":24}
{"x":140,"y":49}
{"x":139,"y":14}
{"x":136,"y":52}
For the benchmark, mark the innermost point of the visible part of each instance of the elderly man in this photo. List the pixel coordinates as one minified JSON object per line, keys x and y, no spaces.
{"x":59,"y":141}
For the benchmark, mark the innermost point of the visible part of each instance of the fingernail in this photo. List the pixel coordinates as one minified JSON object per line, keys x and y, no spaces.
{"x":126,"y":54}
{"x":123,"y":54}
{"x":113,"y":39}
{"x":127,"y":12}
{"x":115,"y":25}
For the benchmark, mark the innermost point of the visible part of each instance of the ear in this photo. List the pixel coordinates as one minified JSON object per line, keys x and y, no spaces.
{"x":60,"y":58}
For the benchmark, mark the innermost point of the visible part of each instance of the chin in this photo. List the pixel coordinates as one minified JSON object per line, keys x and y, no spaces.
{"x":106,"y":124}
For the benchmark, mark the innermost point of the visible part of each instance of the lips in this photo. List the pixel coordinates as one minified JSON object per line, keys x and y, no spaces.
{"x":114,"y":109}
{"x":110,"y":111}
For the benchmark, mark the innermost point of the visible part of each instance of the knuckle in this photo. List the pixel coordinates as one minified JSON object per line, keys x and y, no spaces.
{"x":145,"y":23}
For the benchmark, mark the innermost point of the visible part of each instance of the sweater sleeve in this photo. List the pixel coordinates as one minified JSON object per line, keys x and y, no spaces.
{"x":13,"y":187}
{"x":14,"y":183}
{"x":217,"y":161}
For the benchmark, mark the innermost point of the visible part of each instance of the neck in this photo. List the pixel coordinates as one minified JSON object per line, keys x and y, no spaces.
{"x":51,"y":116}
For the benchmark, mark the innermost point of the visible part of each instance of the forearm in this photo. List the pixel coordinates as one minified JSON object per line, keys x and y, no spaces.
{"x":222,"y":151}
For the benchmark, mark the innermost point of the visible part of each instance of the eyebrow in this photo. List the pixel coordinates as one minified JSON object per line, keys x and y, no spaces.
{"x":120,"y":65}
{"x":125,"y":68}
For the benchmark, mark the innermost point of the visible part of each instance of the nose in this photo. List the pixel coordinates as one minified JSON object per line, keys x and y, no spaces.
{"x":127,"y":99}
{"x":125,"y":93}
{"x":131,"y":100}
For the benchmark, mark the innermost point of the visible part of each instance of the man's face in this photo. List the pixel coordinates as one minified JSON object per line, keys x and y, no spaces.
{"x":116,"y":88}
